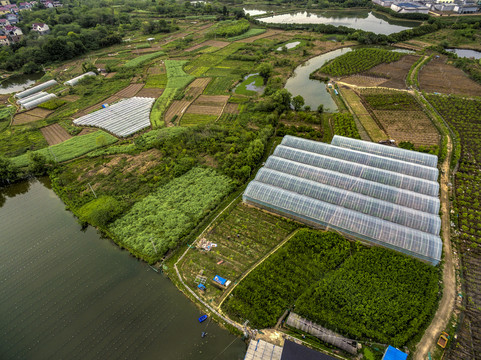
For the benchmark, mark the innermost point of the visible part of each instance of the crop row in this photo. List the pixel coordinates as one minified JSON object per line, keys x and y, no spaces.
{"x":139,"y":60}
{"x":229,"y":29}
{"x":344,"y":125}
{"x":358,"y":61}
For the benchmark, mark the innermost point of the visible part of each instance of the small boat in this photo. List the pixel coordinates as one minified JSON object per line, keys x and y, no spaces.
{"x":204,"y":333}
{"x":202,"y":318}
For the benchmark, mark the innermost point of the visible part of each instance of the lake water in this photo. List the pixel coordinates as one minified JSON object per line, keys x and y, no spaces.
{"x":18,"y":82}
{"x":464,"y":53}
{"x":69,"y":294}
{"x":314,"y":92}
{"x":254,"y":12}
{"x":361,"y":20}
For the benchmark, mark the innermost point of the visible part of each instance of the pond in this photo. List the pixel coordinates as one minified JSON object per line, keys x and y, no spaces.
{"x":251,"y":84}
{"x":18,"y":82}
{"x":70,"y":294}
{"x":465,"y":53}
{"x":254,"y":12}
{"x":314,"y":92}
{"x":361,"y":20}
{"x":288,"y":46}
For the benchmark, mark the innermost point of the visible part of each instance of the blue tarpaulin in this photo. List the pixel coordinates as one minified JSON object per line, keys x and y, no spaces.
{"x":394,"y":354}
{"x":219,"y":280}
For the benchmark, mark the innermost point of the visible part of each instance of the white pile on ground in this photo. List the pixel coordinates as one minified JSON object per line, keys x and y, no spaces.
{"x":121,"y":119}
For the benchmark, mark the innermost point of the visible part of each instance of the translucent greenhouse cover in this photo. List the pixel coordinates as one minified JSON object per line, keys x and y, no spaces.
{"x":75,"y":80}
{"x":416,"y":243}
{"x":35,"y":89}
{"x":382,"y":176}
{"x":31,"y":104}
{"x":373,"y":189}
{"x":364,"y":204}
{"x":31,"y":97}
{"x":309,"y":182}
{"x":387,"y":151}
{"x":123,"y":118}
{"x":386,"y":163}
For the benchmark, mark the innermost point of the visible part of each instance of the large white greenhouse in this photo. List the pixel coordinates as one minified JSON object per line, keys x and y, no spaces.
{"x":389,"y":200}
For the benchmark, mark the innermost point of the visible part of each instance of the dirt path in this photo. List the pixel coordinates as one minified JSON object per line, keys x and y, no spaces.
{"x":446,"y":305}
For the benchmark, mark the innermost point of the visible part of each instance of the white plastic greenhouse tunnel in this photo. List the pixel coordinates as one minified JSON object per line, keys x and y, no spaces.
{"x":35,"y":89}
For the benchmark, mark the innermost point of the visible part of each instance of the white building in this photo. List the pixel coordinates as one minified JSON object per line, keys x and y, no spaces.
{"x":409,"y":7}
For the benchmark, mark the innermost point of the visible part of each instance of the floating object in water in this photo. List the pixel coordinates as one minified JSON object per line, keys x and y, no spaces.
{"x":202,"y":318}
{"x":204,"y":333}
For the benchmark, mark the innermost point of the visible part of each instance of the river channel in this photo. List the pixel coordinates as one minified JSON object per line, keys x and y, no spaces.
{"x":360,"y":20}
{"x":314,"y":92}
{"x":67,"y":293}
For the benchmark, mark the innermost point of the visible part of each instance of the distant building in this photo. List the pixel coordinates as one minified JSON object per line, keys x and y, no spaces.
{"x":384,"y":3}
{"x":4,"y":22}
{"x":13,"y":30}
{"x":466,"y":8}
{"x":4,"y":41}
{"x":409,"y":7}
{"x":12,"y":18}
{"x":41,"y":28}
{"x":4,"y":2}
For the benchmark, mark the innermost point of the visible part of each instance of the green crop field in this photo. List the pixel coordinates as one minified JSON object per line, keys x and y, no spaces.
{"x":71,"y":148}
{"x":17,"y":140}
{"x":344,"y":125}
{"x":219,"y":86}
{"x":156,"y":81}
{"x":359,"y":60}
{"x":171,"y":212}
{"x":203,"y":63}
{"x":229,"y":28}
{"x":196,"y":119}
{"x":139,"y":60}
{"x":273,"y":287}
{"x":376,"y":294}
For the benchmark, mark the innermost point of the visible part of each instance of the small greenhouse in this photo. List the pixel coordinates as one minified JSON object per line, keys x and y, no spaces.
{"x":363,"y":197}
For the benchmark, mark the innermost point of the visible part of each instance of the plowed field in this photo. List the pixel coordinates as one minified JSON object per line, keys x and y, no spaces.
{"x":231,"y":109}
{"x":437,"y":76}
{"x":178,"y":108}
{"x":212,"y":100}
{"x":130,"y":91}
{"x":30,"y":116}
{"x":206,"y":110}
{"x":55,"y":134}
{"x":150,"y":92}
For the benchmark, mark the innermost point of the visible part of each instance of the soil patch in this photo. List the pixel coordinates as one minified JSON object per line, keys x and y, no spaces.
{"x":150,"y":92}
{"x":87,"y":131}
{"x":178,"y":108}
{"x":110,"y":75}
{"x":438,"y":76}
{"x":364,"y":80}
{"x":24,"y":118}
{"x":206,"y":110}
{"x":71,"y":98}
{"x":55,"y":134}
{"x":130,"y":91}
{"x":231,"y":108}
{"x":395,"y":72}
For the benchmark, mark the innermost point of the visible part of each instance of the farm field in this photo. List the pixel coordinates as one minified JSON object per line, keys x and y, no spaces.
{"x":358,"y":60}
{"x":55,"y":134}
{"x":268,"y":33}
{"x":18,"y":140}
{"x":344,"y":125}
{"x":401,"y":117}
{"x":372,"y":128}
{"x":231,"y":108}
{"x":175,"y":209}
{"x":208,"y":105}
{"x":464,"y":116}
{"x":241,"y":241}
{"x":438,"y":76}
{"x":150,"y":92}
{"x":249,"y":33}
{"x":176,"y":110}
{"x":191,"y":119}
{"x":71,"y":148}
{"x":220,"y":85}
{"x":31,"y":116}
{"x":212,"y":43}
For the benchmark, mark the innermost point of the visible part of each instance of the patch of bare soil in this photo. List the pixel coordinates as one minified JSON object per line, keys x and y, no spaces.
{"x":231,"y":108}
{"x":438,"y":76}
{"x":268,"y":33}
{"x":55,"y":134}
{"x":150,"y":92}
{"x":213,"y":43}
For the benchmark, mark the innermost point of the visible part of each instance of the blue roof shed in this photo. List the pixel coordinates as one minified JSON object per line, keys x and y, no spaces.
{"x":394,"y":354}
{"x":220,"y":280}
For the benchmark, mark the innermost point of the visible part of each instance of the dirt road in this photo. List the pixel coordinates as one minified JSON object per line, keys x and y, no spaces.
{"x":446,"y":305}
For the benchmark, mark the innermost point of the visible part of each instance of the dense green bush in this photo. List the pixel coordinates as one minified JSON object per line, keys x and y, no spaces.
{"x":52,"y":104}
{"x":101,"y":211}
{"x":344,"y":125}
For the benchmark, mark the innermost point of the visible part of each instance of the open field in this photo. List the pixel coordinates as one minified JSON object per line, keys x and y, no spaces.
{"x":208,"y":105}
{"x":401,"y":116}
{"x":372,"y":128}
{"x":196,"y":88}
{"x":150,"y":92}
{"x":176,"y":110}
{"x":243,"y":236}
{"x":129,"y":91}
{"x":55,"y":134}
{"x":231,"y":108}
{"x":193,"y":119}
{"x":438,"y":76}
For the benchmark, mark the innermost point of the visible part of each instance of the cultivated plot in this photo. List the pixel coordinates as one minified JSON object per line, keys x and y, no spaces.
{"x":55,"y":134}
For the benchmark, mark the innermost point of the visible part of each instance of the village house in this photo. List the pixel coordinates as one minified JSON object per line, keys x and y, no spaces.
{"x":41,"y":28}
{"x":4,"y":41}
{"x":12,"y":18}
{"x":4,"y":22}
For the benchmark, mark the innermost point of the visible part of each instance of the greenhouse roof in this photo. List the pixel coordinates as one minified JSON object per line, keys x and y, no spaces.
{"x":123,"y":118}
{"x":360,"y":197}
{"x":386,"y":151}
